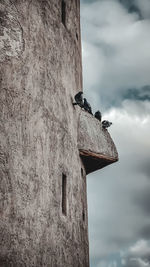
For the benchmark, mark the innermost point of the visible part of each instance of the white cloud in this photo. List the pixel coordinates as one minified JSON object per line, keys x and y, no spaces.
{"x":116,"y":49}
{"x":137,"y":255}
{"x":140,"y":248}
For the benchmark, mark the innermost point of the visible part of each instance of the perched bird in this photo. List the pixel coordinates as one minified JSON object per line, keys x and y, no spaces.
{"x":98,"y":115}
{"x":87,"y":106}
{"x":79,"y":99}
{"x":106,"y":124}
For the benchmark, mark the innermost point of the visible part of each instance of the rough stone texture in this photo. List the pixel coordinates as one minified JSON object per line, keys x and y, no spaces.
{"x":95,"y":144}
{"x":40,"y":72}
{"x":11,"y":32}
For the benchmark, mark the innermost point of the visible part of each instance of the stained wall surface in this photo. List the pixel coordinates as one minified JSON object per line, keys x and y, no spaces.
{"x":40,"y":72}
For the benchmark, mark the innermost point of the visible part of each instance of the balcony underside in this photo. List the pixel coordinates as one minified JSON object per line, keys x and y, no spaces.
{"x":93,"y":161}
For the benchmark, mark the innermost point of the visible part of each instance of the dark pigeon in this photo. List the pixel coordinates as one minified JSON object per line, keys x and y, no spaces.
{"x":98,"y":115}
{"x":79,"y":99}
{"x":106,"y":124}
{"x":87,"y":106}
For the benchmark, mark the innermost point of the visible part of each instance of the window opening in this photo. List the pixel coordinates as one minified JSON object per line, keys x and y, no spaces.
{"x":63,"y":12}
{"x":83,"y":215}
{"x":64,"y":194}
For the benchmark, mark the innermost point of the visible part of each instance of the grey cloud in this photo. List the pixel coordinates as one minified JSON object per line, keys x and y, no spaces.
{"x":143,"y":164}
{"x":144,"y":232}
{"x":140,"y":94}
{"x":136,"y":262}
{"x":132,"y":7}
{"x":116,"y":55}
{"x":138,"y":255}
{"x":145,"y":168}
{"x":144,"y":7}
{"x":118,"y":196}
{"x":143,"y":200}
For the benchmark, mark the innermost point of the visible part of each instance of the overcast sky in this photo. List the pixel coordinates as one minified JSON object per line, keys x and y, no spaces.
{"x":116,"y":73}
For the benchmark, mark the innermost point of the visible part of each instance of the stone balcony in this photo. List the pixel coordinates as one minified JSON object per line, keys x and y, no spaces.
{"x":95,"y":145}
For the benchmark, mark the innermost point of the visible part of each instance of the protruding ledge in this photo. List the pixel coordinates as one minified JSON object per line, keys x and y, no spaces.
{"x":95,"y":145}
{"x":94,"y":161}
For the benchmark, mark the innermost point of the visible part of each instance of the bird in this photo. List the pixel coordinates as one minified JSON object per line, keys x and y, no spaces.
{"x":87,"y":106}
{"x":98,"y":115}
{"x":106,"y":124}
{"x":79,"y":99}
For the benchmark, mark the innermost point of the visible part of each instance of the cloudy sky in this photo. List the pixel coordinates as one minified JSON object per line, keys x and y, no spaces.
{"x":116,"y":72}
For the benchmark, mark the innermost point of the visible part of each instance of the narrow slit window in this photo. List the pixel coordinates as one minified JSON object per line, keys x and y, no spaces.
{"x":83,"y":215}
{"x":64,"y":194}
{"x":82,"y":173}
{"x":63,"y":12}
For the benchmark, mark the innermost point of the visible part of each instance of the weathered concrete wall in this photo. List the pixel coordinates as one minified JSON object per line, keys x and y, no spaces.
{"x":40,"y":72}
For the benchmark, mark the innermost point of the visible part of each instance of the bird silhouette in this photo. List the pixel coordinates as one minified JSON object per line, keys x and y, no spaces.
{"x":79,"y":99}
{"x":87,"y":106}
{"x":106,"y":124}
{"x":98,"y":115}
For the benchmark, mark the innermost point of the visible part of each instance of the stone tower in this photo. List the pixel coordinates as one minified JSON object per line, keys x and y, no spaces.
{"x":47,"y":146}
